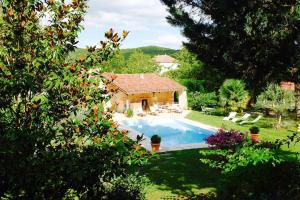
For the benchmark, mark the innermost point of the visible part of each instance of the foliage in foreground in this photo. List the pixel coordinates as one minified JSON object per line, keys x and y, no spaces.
{"x":236,"y":153}
{"x":55,"y":137}
{"x":254,"y":170}
{"x":262,"y":182}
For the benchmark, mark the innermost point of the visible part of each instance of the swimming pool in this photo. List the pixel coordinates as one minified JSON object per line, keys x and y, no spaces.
{"x":172,"y":131}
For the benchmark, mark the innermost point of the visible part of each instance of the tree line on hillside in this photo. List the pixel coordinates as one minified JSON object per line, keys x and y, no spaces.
{"x":138,"y":62}
{"x":148,"y":50}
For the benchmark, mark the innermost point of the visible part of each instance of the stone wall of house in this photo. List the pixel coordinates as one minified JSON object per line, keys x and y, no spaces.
{"x":152,"y":98}
{"x":134,"y":101}
{"x":119,"y":99}
{"x":183,"y":102}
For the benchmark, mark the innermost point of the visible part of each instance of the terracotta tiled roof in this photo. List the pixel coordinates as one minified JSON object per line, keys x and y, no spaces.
{"x":287,"y":85}
{"x":143,"y":83}
{"x":164,"y":59}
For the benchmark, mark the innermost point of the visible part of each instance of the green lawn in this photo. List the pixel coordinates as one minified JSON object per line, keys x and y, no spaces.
{"x":267,"y":132}
{"x":180,"y":173}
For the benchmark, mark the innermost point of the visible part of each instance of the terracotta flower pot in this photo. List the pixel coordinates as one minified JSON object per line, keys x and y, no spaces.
{"x":255,"y":137}
{"x":155,"y":147}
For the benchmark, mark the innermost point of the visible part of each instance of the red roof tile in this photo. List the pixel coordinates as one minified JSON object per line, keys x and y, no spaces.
{"x":287,"y":85}
{"x":164,"y":59}
{"x":143,"y":83}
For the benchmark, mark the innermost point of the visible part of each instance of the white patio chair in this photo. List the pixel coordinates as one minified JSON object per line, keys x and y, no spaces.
{"x":253,"y":121}
{"x":177,"y":108}
{"x":157,"y":108}
{"x":245,"y":117}
{"x":230,"y":116}
{"x":140,"y":112}
{"x":153,"y":110}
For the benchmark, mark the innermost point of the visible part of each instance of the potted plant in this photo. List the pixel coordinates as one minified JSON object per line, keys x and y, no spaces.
{"x":254,"y":130}
{"x":155,"y":142}
{"x":129,"y":112}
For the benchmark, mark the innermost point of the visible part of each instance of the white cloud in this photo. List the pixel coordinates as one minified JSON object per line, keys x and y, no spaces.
{"x":145,"y":19}
{"x":169,"y":40}
{"x":133,"y":15}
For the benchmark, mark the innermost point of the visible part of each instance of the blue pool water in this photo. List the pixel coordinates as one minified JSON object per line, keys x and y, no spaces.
{"x":172,"y":131}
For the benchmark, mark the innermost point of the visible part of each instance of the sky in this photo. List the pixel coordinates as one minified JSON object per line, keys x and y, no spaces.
{"x":145,"y":19}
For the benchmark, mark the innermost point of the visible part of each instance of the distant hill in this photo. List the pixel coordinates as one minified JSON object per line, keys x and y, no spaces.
{"x":149,"y":50}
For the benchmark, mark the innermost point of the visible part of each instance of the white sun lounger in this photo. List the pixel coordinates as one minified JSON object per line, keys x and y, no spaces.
{"x":253,"y":121}
{"x":230,"y":116}
{"x":140,"y":112}
{"x":153,"y":110}
{"x":176,"y":108}
{"x":245,"y":117}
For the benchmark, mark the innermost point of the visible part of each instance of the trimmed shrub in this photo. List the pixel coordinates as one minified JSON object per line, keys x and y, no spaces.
{"x":155,"y":139}
{"x":225,"y":139}
{"x":131,"y":187}
{"x":254,"y":130}
{"x":198,"y":100}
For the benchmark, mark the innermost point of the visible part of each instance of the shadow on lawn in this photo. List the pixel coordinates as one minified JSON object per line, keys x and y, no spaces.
{"x":182,"y":173}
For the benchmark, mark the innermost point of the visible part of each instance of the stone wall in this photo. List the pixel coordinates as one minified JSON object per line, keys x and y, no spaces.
{"x":119,"y":99}
{"x":134,"y":101}
{"x":153,"y":98}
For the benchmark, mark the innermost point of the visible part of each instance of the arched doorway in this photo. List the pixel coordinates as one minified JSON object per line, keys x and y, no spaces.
{"x":145,"y":104}
{"x":176,"y":97}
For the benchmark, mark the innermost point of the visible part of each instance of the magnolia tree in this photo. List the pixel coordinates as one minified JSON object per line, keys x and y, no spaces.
{"x":55,"y":137}
{"x":233,"y":95}
{"x":276,"y":99}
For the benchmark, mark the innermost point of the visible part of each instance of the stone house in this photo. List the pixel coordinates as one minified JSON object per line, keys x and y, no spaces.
{"x":144,"y":90}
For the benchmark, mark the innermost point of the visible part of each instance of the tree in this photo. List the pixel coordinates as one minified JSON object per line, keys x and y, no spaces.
{"x":233,"y":95}
{"x":189,"y":66}
{"x":256,"y":40}
{"x":116,"y":64}
{"x":55,"y":138}
{"x":276,"y":99}
{"x":199,"y":100}
{"x":138,"y":62}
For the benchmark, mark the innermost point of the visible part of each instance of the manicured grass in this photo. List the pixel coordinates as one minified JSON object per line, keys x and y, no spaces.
{"x":267,"y":132}
{"x":180,"y":173}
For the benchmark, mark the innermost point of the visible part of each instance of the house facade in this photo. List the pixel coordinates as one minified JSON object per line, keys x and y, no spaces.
{"x":144,"y":90}
{"x":166,"y":63}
